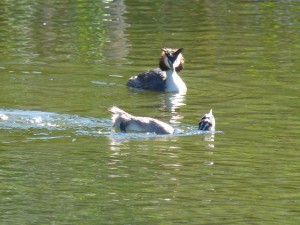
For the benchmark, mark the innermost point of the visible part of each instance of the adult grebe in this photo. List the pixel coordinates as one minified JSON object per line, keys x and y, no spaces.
{"x":164,"y":78}
{"x":125,"y":121}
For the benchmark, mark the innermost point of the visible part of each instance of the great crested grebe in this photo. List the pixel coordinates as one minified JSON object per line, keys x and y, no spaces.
{"x":125,"y":121}
{"x":164,"y":78}
{"x":207,"y":122}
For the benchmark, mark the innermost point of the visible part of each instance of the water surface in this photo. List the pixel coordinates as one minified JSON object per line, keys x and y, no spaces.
{"x":64,"y":63}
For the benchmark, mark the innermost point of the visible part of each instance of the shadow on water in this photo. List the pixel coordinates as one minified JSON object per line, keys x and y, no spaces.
{"x":49,"y":125}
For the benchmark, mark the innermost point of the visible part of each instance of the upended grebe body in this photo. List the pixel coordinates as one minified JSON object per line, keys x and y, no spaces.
{"x":125,"y":121}
{"x":164,"y":78}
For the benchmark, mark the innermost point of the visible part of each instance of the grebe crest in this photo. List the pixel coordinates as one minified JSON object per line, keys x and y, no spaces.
{"x":207,"y":122}
{"x":164,"y":78}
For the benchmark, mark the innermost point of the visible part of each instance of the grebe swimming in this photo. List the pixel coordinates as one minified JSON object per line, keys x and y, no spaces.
{"x":125,"y":121}
{"x":164,"y":78}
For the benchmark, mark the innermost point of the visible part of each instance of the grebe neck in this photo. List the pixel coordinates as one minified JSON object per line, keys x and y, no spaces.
{"x":174,"y":83}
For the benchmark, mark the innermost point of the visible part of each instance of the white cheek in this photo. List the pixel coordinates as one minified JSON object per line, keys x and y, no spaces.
{"x":177,"y":62}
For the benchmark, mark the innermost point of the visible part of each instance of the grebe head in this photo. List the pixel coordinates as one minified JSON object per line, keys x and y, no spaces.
{"x":207,"y":122}
{"x":171,"y":59}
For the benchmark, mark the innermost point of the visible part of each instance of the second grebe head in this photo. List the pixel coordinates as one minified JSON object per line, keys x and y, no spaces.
{"x":207,"y":122}
{"x":171,"y":58}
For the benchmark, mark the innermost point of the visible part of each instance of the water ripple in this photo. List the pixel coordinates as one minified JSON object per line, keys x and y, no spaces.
{"x":49,"y":125}
{"x":21,"y":119}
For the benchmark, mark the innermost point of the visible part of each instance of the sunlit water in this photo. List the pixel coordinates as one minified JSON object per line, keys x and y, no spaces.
{"x":63,"y":65}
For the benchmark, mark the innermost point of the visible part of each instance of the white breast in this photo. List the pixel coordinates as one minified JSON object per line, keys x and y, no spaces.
{"x":174,"y":83}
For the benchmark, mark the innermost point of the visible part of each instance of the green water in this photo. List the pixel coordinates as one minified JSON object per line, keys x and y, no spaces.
{"x":64,"y":63}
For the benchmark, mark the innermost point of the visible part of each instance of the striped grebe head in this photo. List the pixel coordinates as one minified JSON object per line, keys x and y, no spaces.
{"x":207,"y":122}
{"x":171,"y":59}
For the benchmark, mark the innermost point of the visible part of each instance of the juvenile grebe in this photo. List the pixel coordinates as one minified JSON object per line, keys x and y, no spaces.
{"x":126,"y":121}
{"x":164,"y":78}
